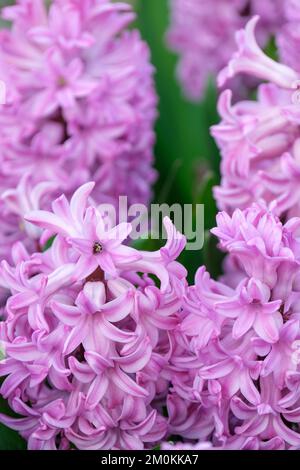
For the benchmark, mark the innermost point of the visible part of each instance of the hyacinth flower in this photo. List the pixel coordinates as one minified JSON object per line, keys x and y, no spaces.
{"x":288,"y":36}
{"x":80,"y":102}
{"x":241,"y":443}
{"x":14,"y":204}
{"x":259,"y":140}
{"x":235,"y":364}
{"x":202,"y":33}
{"x":87,"y":330}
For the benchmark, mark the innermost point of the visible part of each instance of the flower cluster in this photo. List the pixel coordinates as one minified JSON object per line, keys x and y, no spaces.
{"x":106,"y":346}
{"x":235,"y":366}
{"x":87,"y":332}
{"x":203,"y":31}
{"x":80,"y":105}
{"x":260,"y":140}
{"x":288,"y":36}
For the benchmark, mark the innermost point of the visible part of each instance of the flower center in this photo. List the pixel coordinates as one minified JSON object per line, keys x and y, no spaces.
{"x":97,"y":248}
{"x":62,"y":82}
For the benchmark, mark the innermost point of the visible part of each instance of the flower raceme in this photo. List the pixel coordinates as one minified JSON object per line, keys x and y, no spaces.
{"x":234,"y":371}
{"x":100,"y":338}
{"x":259,"y":140}
{"x":87,"y":332}
{"x":80,"y":103}
{"x":202,"y":32}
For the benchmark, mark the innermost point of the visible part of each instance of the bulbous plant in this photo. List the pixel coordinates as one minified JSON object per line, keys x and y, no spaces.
{"x":235,"y":363}
{"x":87,"y":332}
{"x":106,"y":346}
{"x":202,"y":32}
{"x":80,"y":105}
{"x":259,"y":140}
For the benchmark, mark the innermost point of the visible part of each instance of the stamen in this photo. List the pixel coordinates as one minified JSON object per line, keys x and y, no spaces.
{"x":97,"y":248}
{"x":61,"y":82}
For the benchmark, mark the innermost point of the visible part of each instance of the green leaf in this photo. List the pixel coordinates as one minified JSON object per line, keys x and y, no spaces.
{"x":271,"y":49}
{"x":213,"y":257}
{"x":49,"y":243}
{"x":183,"y":138}
{"x":9,"y":439}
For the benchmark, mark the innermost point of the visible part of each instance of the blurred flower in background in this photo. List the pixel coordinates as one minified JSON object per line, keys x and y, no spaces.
{"x":260,"y":140}
{"x":288,"y":36}
{"x":86,"y":334}
{"x":202,"y":33}
{"x":80,"y":103}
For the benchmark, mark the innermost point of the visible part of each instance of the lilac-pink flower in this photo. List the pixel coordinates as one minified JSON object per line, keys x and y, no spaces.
{"x":280,"y":358}
{"x":235,"y":371}
{"x":257,"y":237}
{"x":259,"y":139}
{"x":288,"y":36}
{"x":85,"y":343}
{"x":233,"y":443}
{"x":234,"y":367}
{"x":96,"y":244}
{"x":251,"y":307}
{"x":203,"y":36}
{"x":80,"y":103}
{"x":186,"y":446}
{"x":265,"y":419}
{"x":250,"y":59}
{"x":61,"y":85}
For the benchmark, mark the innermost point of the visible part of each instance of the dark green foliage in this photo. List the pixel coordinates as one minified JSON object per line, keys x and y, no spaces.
{"x":187,"y":158}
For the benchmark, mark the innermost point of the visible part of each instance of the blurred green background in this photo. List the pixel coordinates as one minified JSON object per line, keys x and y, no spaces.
{"x":187,"y":159}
